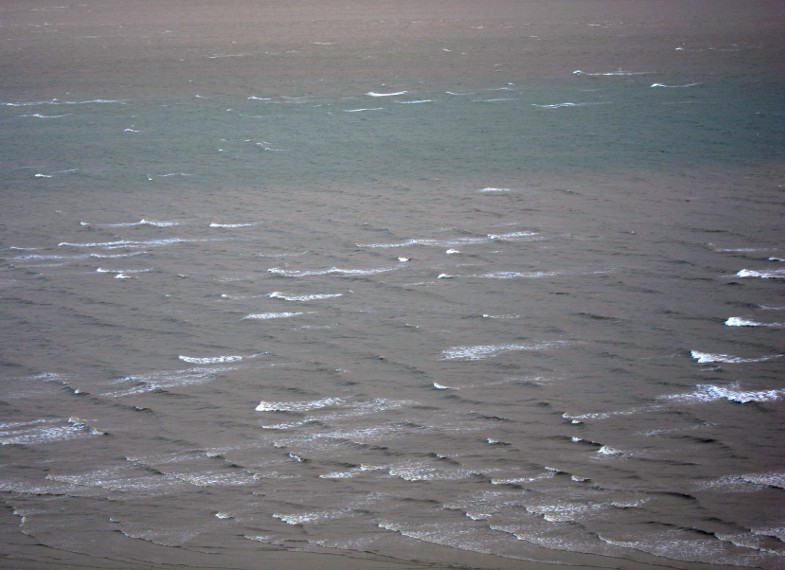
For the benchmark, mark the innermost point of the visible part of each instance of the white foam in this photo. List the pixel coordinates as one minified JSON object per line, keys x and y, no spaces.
{"x":210,"y":359}
{"x":415,"y":102}
{"x":707,"y":358}
{"x":314,"y":297}
{"x":483,"y":351}
{"x":740,"y":322}
{"x":329,"y":271}
{"x":304,"y":406}
{"x":492,"y":190}
{"x":732,"y":393}
{"x":267,"y":316}
{"x":363,"y":109}
{"x":773,"y":274}
{"x":376,"y":94}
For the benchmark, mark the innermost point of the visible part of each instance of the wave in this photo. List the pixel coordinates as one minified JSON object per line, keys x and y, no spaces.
{"x":732,"y":393}
{"x":167,"y":379}
{"x":618,"y":72}
{"x":267,"y":316}
{"x":232,"y":226}
{"x":210,"y":359}
{"x":517,"y":275}
{"x":556,"y":105}
{"x":331,"y":270}
{"x":43,"y":431}
{"x":306,"y":406}
{"x":41,"y":116}
{"x":740,"y":322}
{"x":774,"y":274}
{"x":362,"y":109}
{"x":123,"y":273}
{"x":415,"y":101}
{"x":58,"y":102}
{"x":314,"y":297}
{"x":707,"y":358}
{"x":490,"y":189}
{"x":483,"y":351}
{"x":452,"y":242}
{"x":123,"y":243}
{"x":394,"y":94}
{"x":144,"y":222}
{"x":674,"y":86}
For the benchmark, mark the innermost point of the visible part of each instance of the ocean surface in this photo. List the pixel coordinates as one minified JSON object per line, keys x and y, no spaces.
{"x":525,"y":319}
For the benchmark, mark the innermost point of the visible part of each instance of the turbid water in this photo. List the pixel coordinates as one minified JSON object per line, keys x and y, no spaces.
{"x":481,"y":320}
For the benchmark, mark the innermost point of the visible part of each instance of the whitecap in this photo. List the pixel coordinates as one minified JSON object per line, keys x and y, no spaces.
{"x":41,"y":116}
{"x":123,"y":243}
{"x":43,"y":431}
{"x":415,"y":102}
{"x":167,"y":379}
{"x":314,"y":297}
{"x":329,"y":271}
{"x":618,"y":72}
{"x":517,"y":275}
{"x":231,"y":226}
{"x":773,"y":274}
{"x":210,"y":359}
{"x":490,"y":189}
{"x":707,"y":358}
{"x":740,"y":322}
{"x":363,"y":109}
{"x":267,"y":316}
{"x":555,"y":105}
{"x":447,"y":243}
{"x":376,"y":94}
{"x":674,"y":86}
{"x":483,"y":351}
{"x":300,"y":406}
{"x":732,"y":393}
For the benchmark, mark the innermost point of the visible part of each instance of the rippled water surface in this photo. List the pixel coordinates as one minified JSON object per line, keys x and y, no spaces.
{"x":523,"y":320}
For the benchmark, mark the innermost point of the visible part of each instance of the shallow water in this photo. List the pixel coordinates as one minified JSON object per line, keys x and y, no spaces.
{"x":525,"y":320}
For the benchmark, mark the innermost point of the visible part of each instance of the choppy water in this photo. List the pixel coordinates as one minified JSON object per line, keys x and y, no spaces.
{"x":525,"y":320}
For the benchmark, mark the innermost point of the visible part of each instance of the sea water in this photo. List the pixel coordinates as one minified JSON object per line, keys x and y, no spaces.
{"x":526,"y":319}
